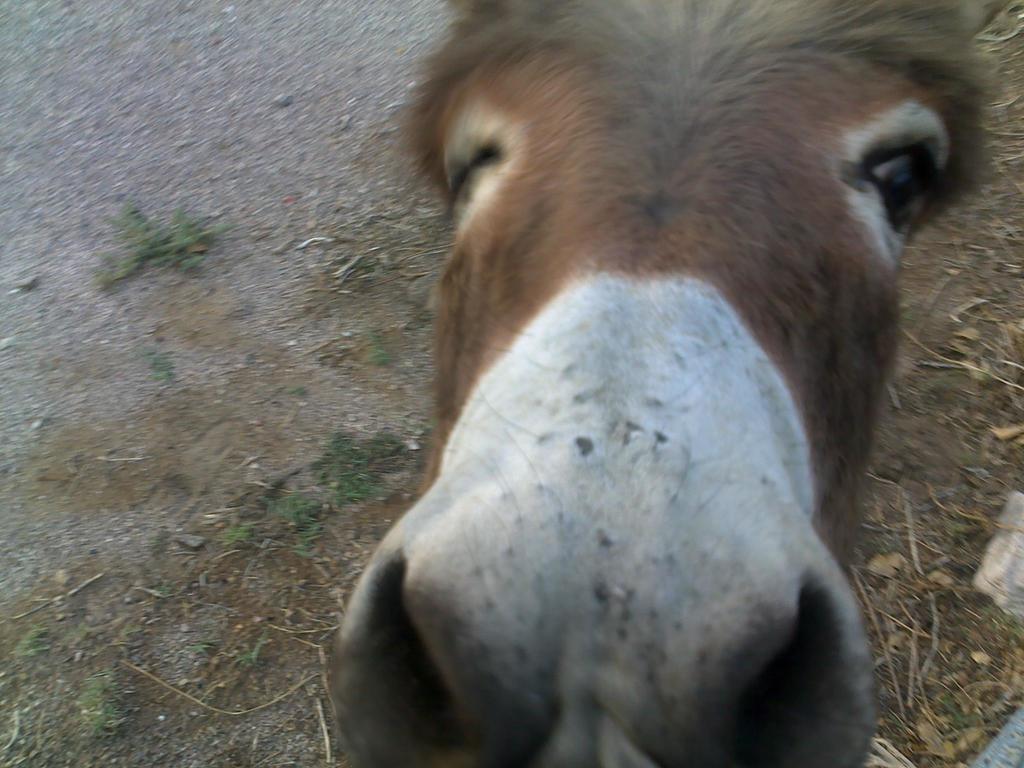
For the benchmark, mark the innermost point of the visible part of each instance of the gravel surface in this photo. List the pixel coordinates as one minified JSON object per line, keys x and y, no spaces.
{"x":275,"y":118}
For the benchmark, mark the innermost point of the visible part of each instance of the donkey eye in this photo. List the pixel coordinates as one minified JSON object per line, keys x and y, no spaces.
{"x":903,"y":178}
{"x":459,"y":177}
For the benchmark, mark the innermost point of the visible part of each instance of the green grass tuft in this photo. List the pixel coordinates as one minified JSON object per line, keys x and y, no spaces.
{"x":35,"y":642}
{"x":303,"y":515}
{"x":100,"y":705}
{"x":182,"y":243}
{"x":238,"y":534}
{"x":203,"y":647}
{"x":378,"y":353}
{"x":353,"y":468}
{"x":162,"y":591}
{"x":251,"y":657}
{"x":161,"y":365}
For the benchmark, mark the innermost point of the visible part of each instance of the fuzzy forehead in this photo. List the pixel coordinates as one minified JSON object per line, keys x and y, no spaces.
{"x":662,"y":59}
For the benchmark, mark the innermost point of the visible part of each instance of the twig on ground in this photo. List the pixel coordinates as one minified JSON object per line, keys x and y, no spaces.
{"x":312,"y":617}
{"x":210,"y":707}
{"x":929,"y":306}
{"x":325,"y":682}
{"x":152,"y":592}
{"x":58,"y":598}
{"x":908,"y":513}
{"x":895,"y":621}
{"x":323,"y":668}
{"x":304,"y":642}
{"x":329,"y":628}
{"x":328,"y":754}
{"x":894,"y":396}
{"x":912,"y":669}
{"x":897,"y":691}
{"x":313,"y":241}
{"x":322,"y":346}
{"x":44,"y":604}
{"x":343,"y":273}
{"x":965,"y":365}
{"x":85,"y":584}
{"x":966,"y":307}
{"x":17,"y":730}
{"x":885,"y":755}
{"x":933,"y":651}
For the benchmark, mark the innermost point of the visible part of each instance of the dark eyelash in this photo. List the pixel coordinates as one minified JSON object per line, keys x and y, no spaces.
{"x":488,"y":154}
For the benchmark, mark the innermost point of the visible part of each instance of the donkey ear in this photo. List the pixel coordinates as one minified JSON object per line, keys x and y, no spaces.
{"x":980,"y":13}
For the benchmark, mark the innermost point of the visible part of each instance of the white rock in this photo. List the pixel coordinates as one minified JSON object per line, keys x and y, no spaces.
{"x":1007,"y":749}
{"x":189,"y":540}
{"x":1001,"y":575}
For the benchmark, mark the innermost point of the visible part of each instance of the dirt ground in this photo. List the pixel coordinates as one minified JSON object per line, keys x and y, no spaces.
{"x":273,"y":404}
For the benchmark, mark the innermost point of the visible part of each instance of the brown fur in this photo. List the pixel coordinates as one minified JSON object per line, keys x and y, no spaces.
{"x":678,"y":136}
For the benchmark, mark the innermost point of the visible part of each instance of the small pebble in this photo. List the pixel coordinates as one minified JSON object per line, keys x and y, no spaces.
{"x":284,"y":100}
{"x":189,"y":540}
{"x":25,"y":287}
{"x":1001,"y":575}
{"x":6,"y":343}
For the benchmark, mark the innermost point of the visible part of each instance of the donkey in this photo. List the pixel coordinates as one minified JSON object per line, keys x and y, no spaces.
{"x":663,"y":333}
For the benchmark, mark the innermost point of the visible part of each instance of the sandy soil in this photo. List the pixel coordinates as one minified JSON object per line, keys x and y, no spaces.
{"x":277,"y":119}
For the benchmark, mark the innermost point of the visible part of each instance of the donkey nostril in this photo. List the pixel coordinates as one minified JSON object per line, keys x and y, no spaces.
{"x":385,"y":678}
{"x":414,"y":683}
{"x":399,"y":643}
{"x":807,"y":700}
